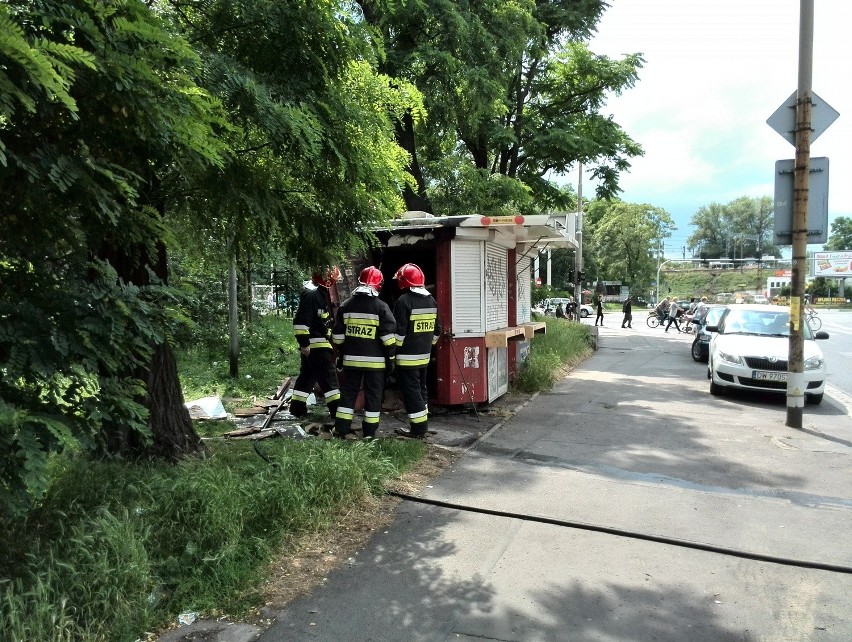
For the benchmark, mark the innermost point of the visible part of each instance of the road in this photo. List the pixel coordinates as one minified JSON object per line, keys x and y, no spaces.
{"x":625,"y":504}
{"x":838,"y":349}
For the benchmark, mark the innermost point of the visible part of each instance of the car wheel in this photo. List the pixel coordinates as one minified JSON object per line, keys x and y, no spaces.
{"x":584,"y":313}
{"x":814,"y":399}
{"x":715,"y":389}
{"x":696,"y":351}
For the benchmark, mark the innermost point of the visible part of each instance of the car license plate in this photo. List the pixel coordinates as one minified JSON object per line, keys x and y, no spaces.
{"x":769,"y":376}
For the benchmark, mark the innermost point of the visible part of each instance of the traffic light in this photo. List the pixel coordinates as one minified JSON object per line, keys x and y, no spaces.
{"x":581,"y":275}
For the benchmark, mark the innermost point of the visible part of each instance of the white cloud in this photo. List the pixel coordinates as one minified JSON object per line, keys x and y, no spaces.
{"x":715,"y":71}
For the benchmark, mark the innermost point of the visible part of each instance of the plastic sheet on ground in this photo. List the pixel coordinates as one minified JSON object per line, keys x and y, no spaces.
{"x":206,"y":408}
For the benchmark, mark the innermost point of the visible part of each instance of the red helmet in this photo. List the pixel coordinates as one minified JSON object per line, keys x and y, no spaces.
{"x":372,"y":277}
{"x":326,"y":278}
{"x":410,"y":276}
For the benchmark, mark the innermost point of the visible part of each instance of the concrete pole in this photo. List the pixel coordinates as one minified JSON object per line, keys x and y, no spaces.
{"x":578,"y":255}
{"x":804,"y":103}
{"x":549,"y":268}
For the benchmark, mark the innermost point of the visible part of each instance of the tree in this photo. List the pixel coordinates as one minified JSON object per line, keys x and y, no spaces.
{"x":622,"y":237}
{"x":741,"y":228}
{"x":302,"y":175}
{"x":513,"y":96}
{"x":841,"y":234}
{"x":98,"y":106}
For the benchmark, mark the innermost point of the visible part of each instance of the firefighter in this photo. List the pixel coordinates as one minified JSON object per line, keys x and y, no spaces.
{"x":364,"y":332}
{"x":417,"y":330}
{"x":312,"y":328}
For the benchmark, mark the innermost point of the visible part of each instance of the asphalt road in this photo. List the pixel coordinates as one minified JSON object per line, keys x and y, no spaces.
{"x":626,"y":504}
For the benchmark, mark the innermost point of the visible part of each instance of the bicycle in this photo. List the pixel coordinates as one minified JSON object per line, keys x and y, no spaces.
{"x":813,"y":320}
{"x":653,"y":319}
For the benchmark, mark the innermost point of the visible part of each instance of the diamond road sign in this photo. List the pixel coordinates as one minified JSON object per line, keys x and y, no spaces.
{"x":784,"y":119}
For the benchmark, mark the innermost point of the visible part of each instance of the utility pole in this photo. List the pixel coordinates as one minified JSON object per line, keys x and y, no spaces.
{"x":804,"y":102}
{"x":578,"y":255}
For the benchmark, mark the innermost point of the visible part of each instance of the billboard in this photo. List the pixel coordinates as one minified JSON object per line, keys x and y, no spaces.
{"x":834,"y":264}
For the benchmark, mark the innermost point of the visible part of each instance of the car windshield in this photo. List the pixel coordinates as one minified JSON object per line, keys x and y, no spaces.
{"x":773,"y":323}
{"x":713,"y":315}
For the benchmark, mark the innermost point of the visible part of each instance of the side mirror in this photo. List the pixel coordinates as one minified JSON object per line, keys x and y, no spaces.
{"x":822,"y":334}
{"x":711,"y":328}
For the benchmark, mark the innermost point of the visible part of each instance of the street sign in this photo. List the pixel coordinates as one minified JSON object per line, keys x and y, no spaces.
{"x":817,"y":201}
{"x":783,"y":120}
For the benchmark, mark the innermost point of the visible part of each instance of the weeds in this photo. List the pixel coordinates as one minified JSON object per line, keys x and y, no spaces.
{"x":564,"y":344}
{"x":119,"y":549}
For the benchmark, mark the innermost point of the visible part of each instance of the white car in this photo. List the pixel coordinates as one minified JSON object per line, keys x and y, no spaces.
{"x":750,"y":348}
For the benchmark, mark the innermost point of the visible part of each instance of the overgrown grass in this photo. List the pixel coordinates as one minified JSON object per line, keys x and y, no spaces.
{"x":118,"y":549}
{"x":565,"y":343}
{"x":204,"y":369}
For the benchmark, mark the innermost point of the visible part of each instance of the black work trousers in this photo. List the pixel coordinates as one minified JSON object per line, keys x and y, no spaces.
{"x":316,"y":368}
{"x":373,"y":380}
{"x":415,"y":397}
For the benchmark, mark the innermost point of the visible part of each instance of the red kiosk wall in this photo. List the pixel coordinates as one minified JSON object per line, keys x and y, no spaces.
{"x":461,"y":366}
{"x":464,"y":378}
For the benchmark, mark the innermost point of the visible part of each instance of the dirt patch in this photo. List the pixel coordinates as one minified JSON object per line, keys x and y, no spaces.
{"x":305,"y":563}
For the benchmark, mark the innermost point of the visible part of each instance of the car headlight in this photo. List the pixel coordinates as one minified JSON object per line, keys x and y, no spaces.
{"x":814,"y":363}
{"x":731,"y":358}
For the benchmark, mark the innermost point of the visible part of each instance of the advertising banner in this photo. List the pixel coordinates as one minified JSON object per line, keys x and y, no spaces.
{"x":835,"y":264}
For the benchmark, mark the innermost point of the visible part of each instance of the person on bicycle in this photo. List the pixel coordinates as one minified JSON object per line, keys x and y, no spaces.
{"x":662,"y":309}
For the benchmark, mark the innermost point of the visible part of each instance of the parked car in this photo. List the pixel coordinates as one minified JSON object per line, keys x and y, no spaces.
{"x":550,"y":306}
{"x":701,"y":343}
{"x":749,"y":352}
{"x":759,"y":298}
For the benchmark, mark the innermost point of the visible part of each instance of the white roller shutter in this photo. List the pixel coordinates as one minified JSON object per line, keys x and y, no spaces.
{"x":467,"y":291}
{"x":496,"y":287}
{"x":498,"y":372}
{"x":523,"y":302}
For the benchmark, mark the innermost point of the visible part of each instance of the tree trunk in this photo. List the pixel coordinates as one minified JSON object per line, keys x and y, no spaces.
{"x":414,"y":201}
{"x":173,"y":435}
{"x":171,"y":426}
{"x":233,"y":317}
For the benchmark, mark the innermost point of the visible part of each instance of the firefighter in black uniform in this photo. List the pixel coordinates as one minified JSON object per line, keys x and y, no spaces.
{"x":417,"y":330}
{"x":364,"y":331}
{"x":312,"y":328}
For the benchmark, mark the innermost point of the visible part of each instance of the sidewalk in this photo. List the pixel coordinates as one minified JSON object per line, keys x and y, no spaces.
{"x":541,"y":530}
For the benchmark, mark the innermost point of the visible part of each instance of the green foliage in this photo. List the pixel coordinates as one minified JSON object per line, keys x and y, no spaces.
{"x":203,"y":366}
{"x":740,"y":228}
{"x":119,"y":549}
{"x":513,"y":97}
{"x":314,"y":158}
{"x":621,"y":240}
{"x":565,"y":343}
{"x":683,"y":282}
{"x":841,"y":234}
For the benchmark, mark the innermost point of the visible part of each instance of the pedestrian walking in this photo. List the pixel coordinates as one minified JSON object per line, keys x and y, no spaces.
{"x":627,"y":308}
{"x":674,"y":310}
{"x":560,"y":311}
{"x":417,"y":331}
{"x":599,"y":307}
{"x":365,"y":333}
{"x":312,"y":329}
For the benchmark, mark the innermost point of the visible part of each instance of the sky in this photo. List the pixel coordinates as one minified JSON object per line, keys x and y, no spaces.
{"x":714,"y":72}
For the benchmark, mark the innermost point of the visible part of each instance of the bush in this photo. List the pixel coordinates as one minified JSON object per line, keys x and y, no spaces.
{"x":565,"y":343}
